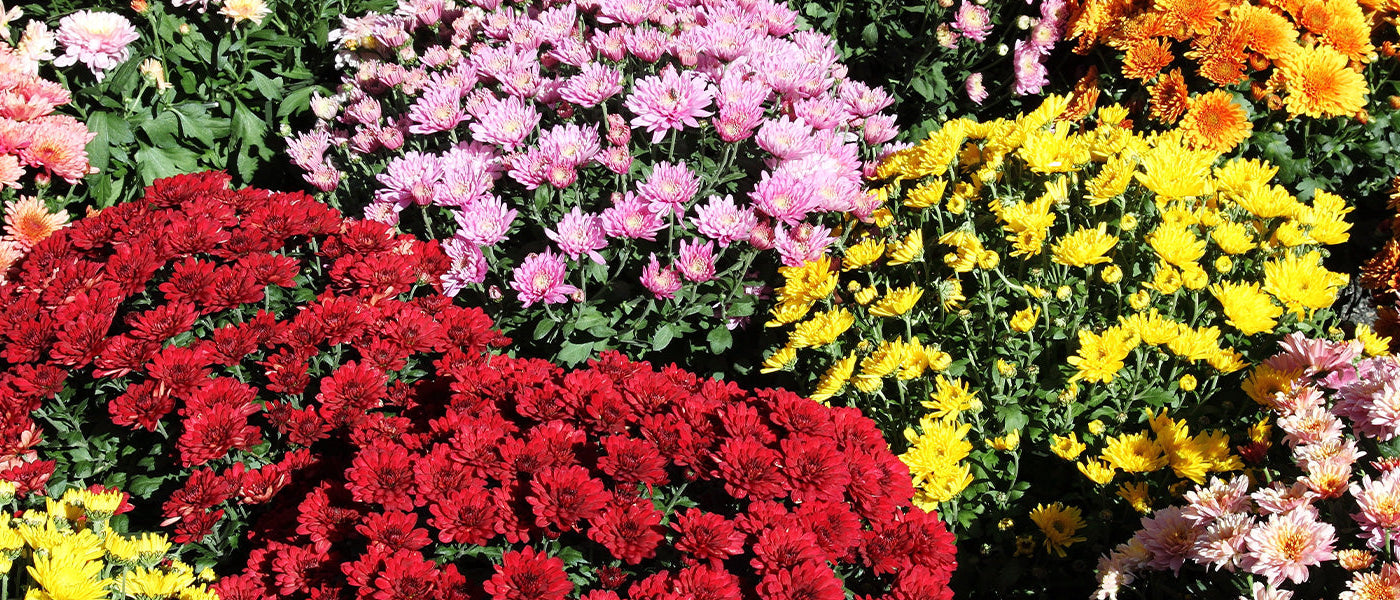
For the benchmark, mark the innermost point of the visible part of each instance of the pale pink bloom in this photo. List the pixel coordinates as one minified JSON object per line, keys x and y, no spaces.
{"x":579,"y":233}
{"x":560,"y":175}
{"x":782,"y":195}
{"x":1327,"y":478}
{"x":1118,"y":568}
{"x":630,"y":217}
{"x":485,"y":221}
{"x":611,"y":44}
{"x":570,"y":144}
{"x":663,"y":282}
{"x":1279,"y":499}
{"x":696,"y":261}
{"x":594,"y":84}
{"x":530,"y":168}
{"x":365,"y":110}
{"x":1303,"y":396}
{"x":1029,"y":67}
{"x":1218,"y":497}
{"x":36,"y":46}
{"x":1343,"y":451}
{"x":469,"y":171}
{"x":468,"y":266}
{"x":780,"y":65}
{"x":1379,"y":500}
{"x":973,"y":21}
{"x":438,"y":109}
{"x":556,"y":23}
{"x":1372,"y":402}
{"x":1043,"y":36}
{"x":410,"y":179}
{"x":832,"y":185}
{"x":725,"y":40}
{"x":1170,"y":537}
{"x":821,"y":112}
{"x":647,"y":44}
{"x":325,"y":177}
{"x":668,"y":101}
{"x":723,"y":221}
{"x":879,"y":129}
{"x":540,"y":278}
{"x":862,"y":100}
{"x":617,"y":159}
{"x":58,"y":144}
{"x":442,"y":56}
{"x":669,"y":188}
{"x":1287,"y":544}
{"x":1318,"y":357}
{"x":97,"y":39}
{"x":1310,"y":426}
{"x":31,"y":99}
{"x":506,"y":124}
{"x":735,"y":126}
{"x":10,"y":171}
{"x":522,"y":78}
{"x":1374,"y":585}
{"x":785,"y":138}
{"x":630,"y":12}
{"x":1222,"y":544}
{"x":741,"y":91}
{"x":425,"y":12}
{"x":383,"y":212}
{"x":976,"y":91}
{"x":1262,"y":591}
{"x":309,"y":149}
{"x":802,"y":244}
{"x":10,"y":253}
{"x":364,"y":141}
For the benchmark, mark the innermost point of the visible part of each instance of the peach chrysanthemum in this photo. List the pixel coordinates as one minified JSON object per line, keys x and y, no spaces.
{"x":1381,"y":585}
{"x":1168,"y":97}
{"x":28,"y":221}
{"x":59,"y":144}
{"x":1215,"y":122}
{"x":10,"y":171}
{"x":1287,"y":544}
{"x":1146,"y":58}
{"x":1320,"y":84}
{"x":1197,"y":17}
{"x":10,"y":253}
{"x":245,"y":10}
{"x":97,"y":39}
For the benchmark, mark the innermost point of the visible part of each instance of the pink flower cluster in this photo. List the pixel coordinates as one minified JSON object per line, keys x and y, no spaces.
{"x":1028,"y":58}
{"x":607,"y":109}
{"x":31,"y":135}
{"x":1331,"y":409}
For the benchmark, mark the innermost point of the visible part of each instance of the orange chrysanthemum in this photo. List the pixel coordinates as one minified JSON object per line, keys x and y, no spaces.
{"x":1263,"y":30}
{"x":1145,"y":59}
{"x":1168,"y":97}
{"x":1196,"y":17}
{"x":28,"y":221}
{"x":1084,"y":97}
{"x":1214,"y":121}
{"x":1320,"y":84}
{"x":1142,"y":27}
{"x":1093,"y":20}
{"x":1341,"y":25}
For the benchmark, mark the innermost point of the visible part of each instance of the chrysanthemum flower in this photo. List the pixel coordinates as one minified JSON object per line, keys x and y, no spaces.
{"x":245,"y":10}
{"x":1168,"y":97}
{"x":1214,"y":121}
{"x":897,"y":301}
{"x":28,"y":221}
{"x":1301,"y":283}
{"x":1134,"y":453}
{"x":1320,"y":83}
{"x":1084,"y":247}
{"x":97,"y":39}
{"x":1287,"y":544}
{"x":668,"y":101}
{"x":540,"y":278}
{"x":1059,"y":524}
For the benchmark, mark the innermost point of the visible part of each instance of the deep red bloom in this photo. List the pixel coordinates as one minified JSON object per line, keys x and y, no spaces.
{"x":163,"y":322}
{"x":382,"y":474}
{"x":141,"y":405}
{"x":562,"y":496}
{"x":406,"y":576}
{"x":526,"y":575}
{"x":350,"y":392}
{"x":233,"y":286}
{"x":632,"y":461}
{"x":272,"y":269}
{"x":323,"y":522}
{"x":295,"y":568}
{"x":216,"y":421}
{"x":706,"y":536}
{"x":243,"y":586}
{"x":229,"y":345}
{"x":37,"y":381}
{"x":836,"y":528}
{"x":708,"y":582}
{"x":258,"y":486}
{"x":132,"y":265}
{"x":81,"y":340}
{"x":810,"y":580}
{"x":191,"y":280}
{"x":921,"y":583}
{"x":466,"y":516}
{"x":196,"y":526}
{"x":630,"y":532}
{"x":180,"y":370}
{"x":814,"y":469}
{"x":29,"y":477}
{"x":743,"y":420}
{"x":747,"y":469}
{"x":204,"y":489}
{"x":286,"y":371}
{"x":394,"y":529}
{"x":785,"y":547}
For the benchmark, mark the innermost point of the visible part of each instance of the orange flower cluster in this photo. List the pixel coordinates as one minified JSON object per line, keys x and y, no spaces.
{"x":1381,"y":275}
{"x":1303,"y":56}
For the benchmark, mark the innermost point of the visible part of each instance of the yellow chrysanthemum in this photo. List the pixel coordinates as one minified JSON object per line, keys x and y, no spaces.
{"x":155,"y":582}
{"x":1371,"y":342}
{"x":1134,"y":453}
{"x":822,"y":329}
{"x":1247,"y":308}
{"x":1098,"y":471}
{"x":835,"y":378}
{"x":1153,"y":328}
{"x":908,"y":249}
{"x":1025,"y":319}
{"x":1232,"y":238}
{"x":1269,"y":202}
{"x":864,"y":253}
{"x":1137,"y":496}
{"x":1059,"y":524}
{"x":1053,"y":151}
{"x":1171,"y":170}
{"x":1084,"y":247}
{"x":1111,"y":181}
{"x":1006,"y":443}
{"x":1301,"y":283}
{"x":1264,"y":382}
{"x":897,"y":301}
{"x":1176,"y":245}
{"x":1101,"y":356}
{"x":1067,"y":447}
{"x":1320,"y":83}
{"x":926,"y":194}
{"x":779,"y":360}
{"x":1195,"y":344}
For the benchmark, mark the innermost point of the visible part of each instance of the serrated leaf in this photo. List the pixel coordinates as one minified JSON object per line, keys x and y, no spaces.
{"x":543,"y":328}
{"x":142,"y":486}
{"x":155,"y":163}
{"x":720,"y":339}
{"x":662,"y":337}
{"x":573,"y":354}
{"x":269,"y":88}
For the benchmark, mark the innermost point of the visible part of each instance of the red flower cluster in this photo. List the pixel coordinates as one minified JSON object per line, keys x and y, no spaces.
{"x":237,"y":324}
{"x":634,"y":483}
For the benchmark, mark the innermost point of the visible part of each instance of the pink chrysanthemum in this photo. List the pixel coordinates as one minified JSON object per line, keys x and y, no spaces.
{"x":468,"y":266}
{"x":507,"y":123}
{"x":669,"y":188}
{"x":579,"y":233}
{"x":696,"y":261}
{"x":1029,"y":67}
{"x":1222,"y":544}
{"x":58,"y":144}
{"x":410,"y":179}
{"x":723,"y":221}
{"x":1170,"y":536}
{"x":29,"y":222}
{"x":782,"y":195}
{"x":785,"y":138}
{"x":97,"y":39}
{"x":802,"y":244}
{"x":1318,"y":356}
{"x":1219,"y":497}
{"x":663,"y":282}
{"x":438,"y":109}
{"x":973,"y":21}
{"x":570,"y":145}
{"x":668,"y":101}
{"x":485,"y":221}
{"x":540,"y":278}
{"x":594,"y":84}
{"x":469,"y":172}
{"x":630,"y":217}
{"x":1287,"y":544}
{"x":976,"y":91}
{"x":1379,"y":500}
{"x":1279,"y":499}
{"x":1310,"y":426}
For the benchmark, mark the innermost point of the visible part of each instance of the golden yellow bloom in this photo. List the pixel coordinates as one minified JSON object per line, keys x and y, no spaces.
{"x":67,"y":576}
{"x":1301,"y":283}
{"x":1134,"y":453}
{"x":1166,"y":280}
{"x":908,"y":249}
{"x":1172,"y":170}
{"x":883,"y":361}
{"x":1063,"y":293}
{"x":897,"y":301}
{"x":915,"y":360}
{"x":1187,"y":383}
{"x":933,"y":457}
{"x":1246,"y":307}
{"x":1196,"y":344}
{"x":1084,"y":247}
{"x":1111,"y":181}
{"x":1139,"y":300}
{"x":155,"y":583}
{"x":1053,"y":151}
{"x":864,"y":253}
{"x":1098,"y":471}
{"x":882,"y":217}
{"x":988,"y":260}
{"x":1176,"y":245}
{"x":1005,"y":368}
{"x":788,"y":312}
{"x":780,"y":360}
{"x":967,"y":249}
{"x":1291,"y":235}
{"x":864,"y":296}
{"x":1152,"y":327}
{"x":1008,"y":442}
{"x":1260,"y":432}
{"x":1372,"y":343}
{"x":1239,"y":176}
{"x":1232,"y":238}
{"x":1320,"y":83}
{"x":1067,"y":447}
{"x":1224,"y":265}
{"x":949,"y":398}
{"x":1101,"y":356}
{"x":926,"y":194}
{"x":1264,"y":382}
{"x":1025,"y":319}
{"x":1111,"y":274}
{"x":950,"y":293}
{"x":1059,"y":524}
{"x":822,"y":329}
{"x":1036,"y":292}
{"x":835,"y":378}
{"x":1096,"y":427}
{"x":1129,"y":222}
{"x":1193,"y":277}
{"x":1137,"y":496}
{"x":938,"y":360}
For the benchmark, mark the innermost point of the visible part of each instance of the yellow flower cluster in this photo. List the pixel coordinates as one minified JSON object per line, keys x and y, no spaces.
{"x":935,"y":458}
{"x":1169,"y":445}
{"x":73,"y":554}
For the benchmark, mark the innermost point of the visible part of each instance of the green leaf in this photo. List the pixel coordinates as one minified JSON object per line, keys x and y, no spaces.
{"x":662,"y":337}
{"x":295,"y":102}
{"x":720,"y":339}
{"x":155,"y":163}
{"x":543,"y":328}
{"x":194,"y":122}
{"x":573,"y":354}
{"x":870,"y":35}
{"x":161,"y":130}
{"x":142,"y":486}
{"x":269,"y":88}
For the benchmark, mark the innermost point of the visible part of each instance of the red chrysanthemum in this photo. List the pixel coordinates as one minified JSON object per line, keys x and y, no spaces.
{"x":746,"y":467}
{"x":632,"y":461}
{"x":527,"y":575}
{"x":630,"y":532}
{"x":406,"y":576}
{"x":706,"y":536}
{"x":811,"y":580}
{"x":394,"y":530}
{"x":466,"y":516}
{"x":814,"y":469}
{"x":562,"y":496}
{"x":382,"y":473}
{"x":785,"y":547}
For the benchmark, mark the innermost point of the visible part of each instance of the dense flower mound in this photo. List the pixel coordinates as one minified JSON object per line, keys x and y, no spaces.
{"x":1302,"y":57}
{"x":33,"y":139}
{"x":72,"y":548}
{"x":1325,"y":492}
{"x":623,"y":159}
{"x":1042,"y":281}
{"x":193,"y":347}
{"x":612,"y":481}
